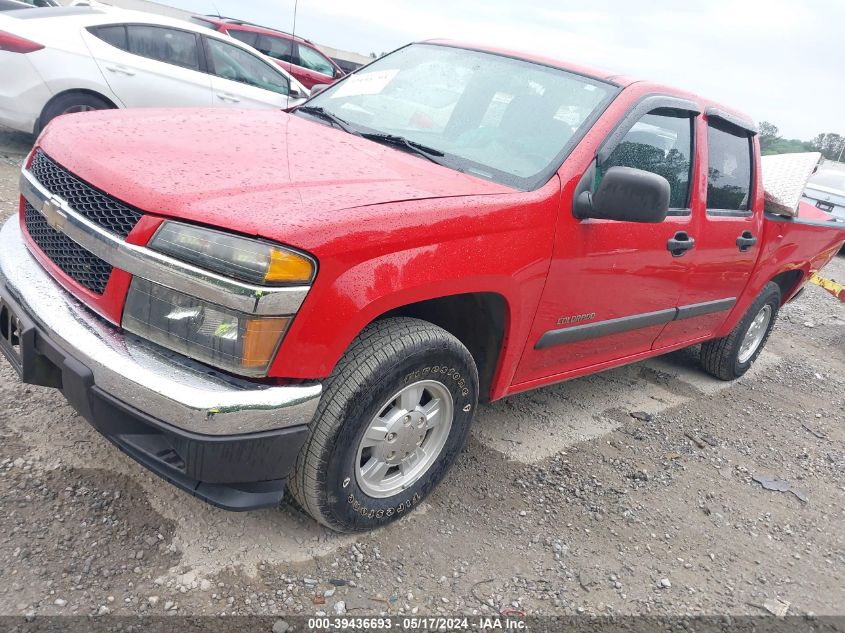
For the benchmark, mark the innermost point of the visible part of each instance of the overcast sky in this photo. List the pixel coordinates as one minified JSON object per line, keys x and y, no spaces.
{"x":781,"y":61}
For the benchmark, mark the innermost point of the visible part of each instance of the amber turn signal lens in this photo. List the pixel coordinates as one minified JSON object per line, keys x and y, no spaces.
{"x":261,"y":336}
{"x":287,"y":266}
{"x":246,"y":259}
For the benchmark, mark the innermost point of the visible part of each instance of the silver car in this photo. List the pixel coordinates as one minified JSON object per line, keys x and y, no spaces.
{"x":826,"y":190}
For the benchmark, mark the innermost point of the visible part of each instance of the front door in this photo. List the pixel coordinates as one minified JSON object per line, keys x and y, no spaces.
{"x":613,"y":286}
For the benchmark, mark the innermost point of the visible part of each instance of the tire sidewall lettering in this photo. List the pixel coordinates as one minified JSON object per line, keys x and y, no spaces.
{"x":363,"y":511}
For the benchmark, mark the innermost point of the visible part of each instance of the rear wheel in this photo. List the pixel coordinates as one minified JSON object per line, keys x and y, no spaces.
{"x":70,"y":103}
{"x":730,"y":357}
{"x":394,"y":416}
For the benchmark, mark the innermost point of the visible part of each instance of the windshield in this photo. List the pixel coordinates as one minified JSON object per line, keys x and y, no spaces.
{"x":503,"y":119}
{"x":830,"y":179}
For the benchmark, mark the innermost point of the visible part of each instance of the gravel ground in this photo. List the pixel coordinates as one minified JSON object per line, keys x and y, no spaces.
{"x":562,"y":503}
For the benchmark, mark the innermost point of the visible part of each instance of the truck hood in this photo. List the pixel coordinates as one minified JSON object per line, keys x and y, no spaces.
{"x":263,"y":173}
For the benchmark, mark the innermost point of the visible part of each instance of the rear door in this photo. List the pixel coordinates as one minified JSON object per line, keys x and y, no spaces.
{"x":612,"y":285}
{"x":728,"y":226}
{"x":243,"y":80}
{"x":151,"y":66}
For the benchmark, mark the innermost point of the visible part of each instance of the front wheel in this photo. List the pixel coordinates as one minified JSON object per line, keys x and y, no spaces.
{"x":71,"y":103}
{"x":730,"y":357}
{"x":394,"y":416}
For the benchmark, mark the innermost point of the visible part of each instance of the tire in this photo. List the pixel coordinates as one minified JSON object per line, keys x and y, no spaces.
{"x":725,"y":358}
{"x":394,"y":355}
{"x":71,"y":102}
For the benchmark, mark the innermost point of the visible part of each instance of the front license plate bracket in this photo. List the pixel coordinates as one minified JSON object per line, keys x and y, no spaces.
{"x":18,"y":345}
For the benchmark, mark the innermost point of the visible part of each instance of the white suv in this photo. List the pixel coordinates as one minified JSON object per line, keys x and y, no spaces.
{"x":59,"y":60}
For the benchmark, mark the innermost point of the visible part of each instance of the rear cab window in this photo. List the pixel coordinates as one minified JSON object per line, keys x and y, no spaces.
{"x":729,"y":169}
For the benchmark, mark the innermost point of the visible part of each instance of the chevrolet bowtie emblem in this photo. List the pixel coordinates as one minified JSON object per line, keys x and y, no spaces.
{"x":52,"y":211}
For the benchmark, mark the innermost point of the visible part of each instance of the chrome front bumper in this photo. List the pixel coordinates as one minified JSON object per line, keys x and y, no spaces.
{"x":165,"y":385}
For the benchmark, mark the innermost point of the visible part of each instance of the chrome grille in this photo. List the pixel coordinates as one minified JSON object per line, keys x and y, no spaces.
{"x":98,"y":207}
{"x":83,"y":267}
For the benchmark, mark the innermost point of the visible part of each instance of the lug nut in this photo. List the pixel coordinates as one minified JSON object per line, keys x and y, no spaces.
{"x":391,"y":437}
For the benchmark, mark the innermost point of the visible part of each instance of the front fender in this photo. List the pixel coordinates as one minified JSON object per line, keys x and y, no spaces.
{"x":503,"y":245}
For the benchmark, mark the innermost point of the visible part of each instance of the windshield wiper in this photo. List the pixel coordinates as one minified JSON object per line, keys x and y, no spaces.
{"x":401,"y":141}
{"x":322,"y":113}
{"x":378,"y":137}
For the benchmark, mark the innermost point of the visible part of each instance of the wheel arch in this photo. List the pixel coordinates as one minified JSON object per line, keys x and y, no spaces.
{"x":87,"y":91}
{"x":788,"y":281}
{"x":478,"y":319}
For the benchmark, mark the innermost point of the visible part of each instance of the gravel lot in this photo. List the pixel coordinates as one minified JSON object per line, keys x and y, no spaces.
{"x":563,"y":502}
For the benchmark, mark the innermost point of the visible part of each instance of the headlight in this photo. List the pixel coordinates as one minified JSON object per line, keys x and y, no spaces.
{"x":236,"y":342}
{"x":249,"y":260}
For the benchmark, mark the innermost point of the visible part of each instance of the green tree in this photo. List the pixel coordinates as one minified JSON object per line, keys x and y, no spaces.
{"x":831,"y":145}
{"x":769,"y":135}
{"x":771,"y":142}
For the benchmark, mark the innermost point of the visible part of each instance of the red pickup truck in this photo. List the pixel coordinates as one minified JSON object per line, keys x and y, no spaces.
{"x":319,"y":299}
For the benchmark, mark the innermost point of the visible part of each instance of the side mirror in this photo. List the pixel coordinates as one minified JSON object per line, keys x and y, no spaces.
{"x":626,"y":194}
{"x":318,"y":88}
{"x":294,"y":93}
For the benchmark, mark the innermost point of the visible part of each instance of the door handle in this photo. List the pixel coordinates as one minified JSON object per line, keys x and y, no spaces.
{"x":121,"y":69}
{"x":745,"y":241}
{"x":680,"y":243}
{"x":225,"y":96}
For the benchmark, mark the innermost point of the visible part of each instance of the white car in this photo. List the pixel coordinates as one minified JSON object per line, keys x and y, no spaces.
{"x":826,"y":190}
{"x":72,"y":59}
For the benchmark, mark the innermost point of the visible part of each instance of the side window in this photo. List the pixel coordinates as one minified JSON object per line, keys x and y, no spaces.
{"x":728,"y":169}
{"x":275,"y":47}
{"x":231,"y":62}
{"x":114,"y":35}
{"x":661,"y":143}
{"x":247,"y":37}
{"x":312,"y":60}
{"x":165,"y":45}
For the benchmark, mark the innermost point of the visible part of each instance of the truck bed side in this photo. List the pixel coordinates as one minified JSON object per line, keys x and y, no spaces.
{"x":792,"y":250}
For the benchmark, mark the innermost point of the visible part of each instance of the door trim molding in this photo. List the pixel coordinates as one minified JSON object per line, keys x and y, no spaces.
{"x":562,"y":336}
{"x":708,"y":307}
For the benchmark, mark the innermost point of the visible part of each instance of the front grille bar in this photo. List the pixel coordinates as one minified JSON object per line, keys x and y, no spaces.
{"x":98,"y":207}
{"x":83,"y":267}
{"x":156,"y":267}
